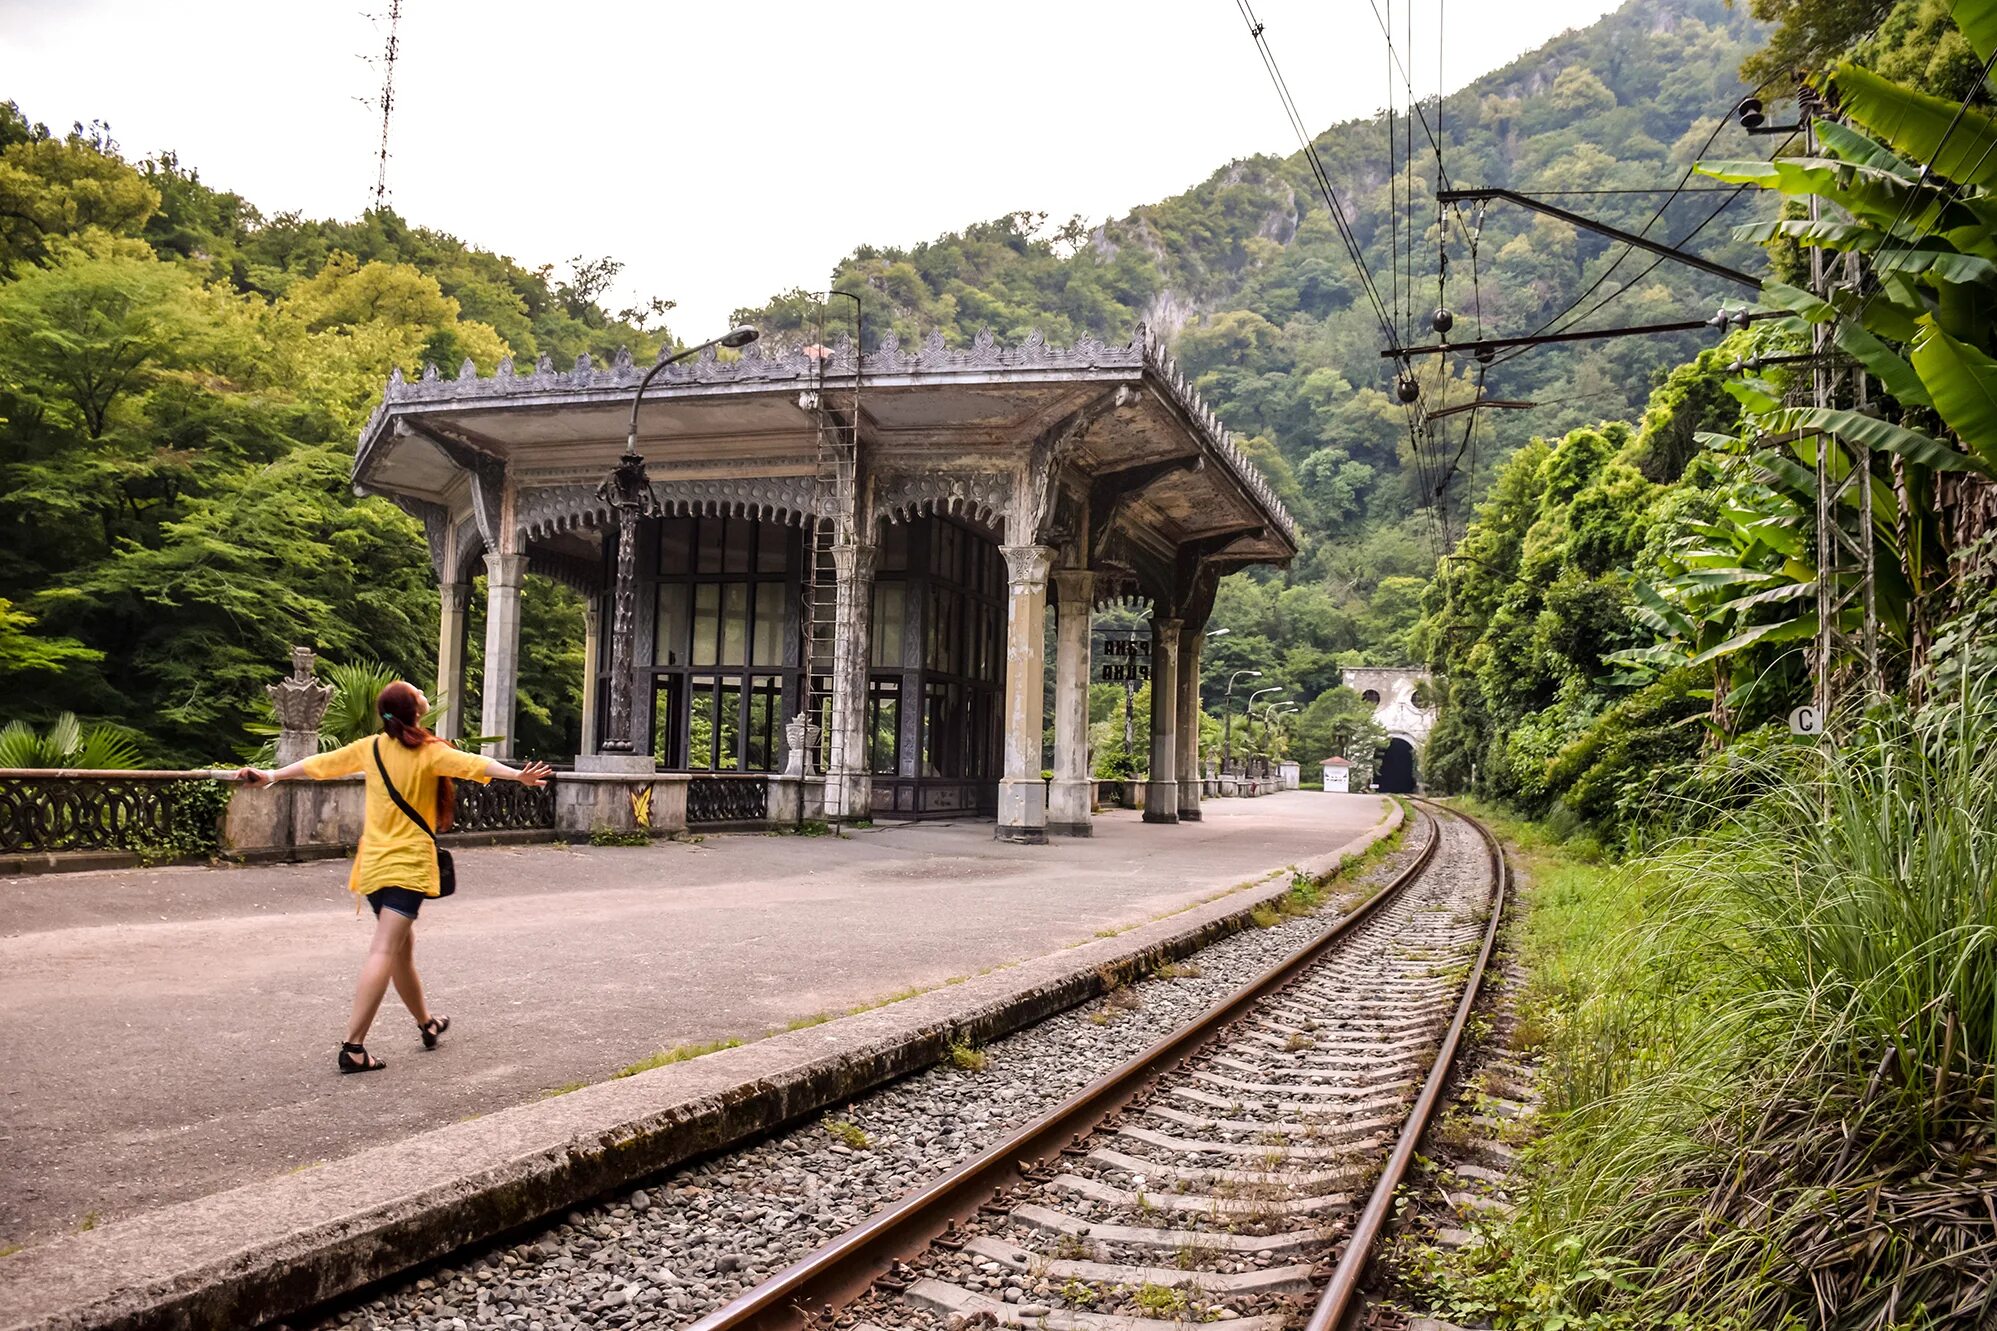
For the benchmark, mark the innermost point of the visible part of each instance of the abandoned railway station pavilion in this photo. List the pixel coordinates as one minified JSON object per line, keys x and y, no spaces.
{"x":821,"y":581}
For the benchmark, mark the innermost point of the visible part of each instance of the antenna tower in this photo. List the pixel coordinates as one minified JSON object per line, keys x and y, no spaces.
{"x":387,"y":104}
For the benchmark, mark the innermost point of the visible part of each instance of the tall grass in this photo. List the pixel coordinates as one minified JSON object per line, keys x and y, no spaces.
{"x":1784,"y":1111}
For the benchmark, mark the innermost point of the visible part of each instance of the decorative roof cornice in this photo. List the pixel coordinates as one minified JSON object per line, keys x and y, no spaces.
{"x":756,"y":367}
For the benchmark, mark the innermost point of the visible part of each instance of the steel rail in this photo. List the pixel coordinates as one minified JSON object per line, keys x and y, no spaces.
{"x":1339,"y":1292}
{"x":845,"y":1268}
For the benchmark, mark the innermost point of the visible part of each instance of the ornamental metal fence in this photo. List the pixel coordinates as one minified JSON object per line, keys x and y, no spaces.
{"x":48,"y":810}
{"x":727,"y":799}
{"x":502,"y":806}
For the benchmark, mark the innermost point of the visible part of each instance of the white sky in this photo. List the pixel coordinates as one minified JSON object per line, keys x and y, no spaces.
{"x":724,"y":151}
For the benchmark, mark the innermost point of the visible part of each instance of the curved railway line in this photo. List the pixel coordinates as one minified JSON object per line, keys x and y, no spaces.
{"x":1216,"y":1174}
{"x":1240,"y":1169}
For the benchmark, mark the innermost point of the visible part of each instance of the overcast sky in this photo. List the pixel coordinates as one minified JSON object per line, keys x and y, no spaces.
{"x":729,"y":151}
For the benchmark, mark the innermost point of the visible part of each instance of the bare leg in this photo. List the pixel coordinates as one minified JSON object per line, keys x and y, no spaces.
{"x":408,"y":984}
{"x":390,"y":932}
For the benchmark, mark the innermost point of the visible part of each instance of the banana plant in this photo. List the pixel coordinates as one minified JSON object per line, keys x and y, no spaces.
{"x":1908,"y":182}
{"x":69,"y":743}
{"x":1729,"y":585}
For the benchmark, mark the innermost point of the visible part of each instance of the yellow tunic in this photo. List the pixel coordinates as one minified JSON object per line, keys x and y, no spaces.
{"x":394,"y":852}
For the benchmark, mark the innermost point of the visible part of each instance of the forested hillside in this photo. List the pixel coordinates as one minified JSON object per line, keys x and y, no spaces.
{"x":1246,"y":274}
{"x":181,"y":383}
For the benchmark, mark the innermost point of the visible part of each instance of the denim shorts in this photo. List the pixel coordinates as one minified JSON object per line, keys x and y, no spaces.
{"x":401,"y":900}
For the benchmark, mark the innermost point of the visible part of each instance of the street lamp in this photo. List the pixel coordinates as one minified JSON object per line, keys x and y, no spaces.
{"x":1227,"y":725}
{"x":1248,"y":708}
{"x":1199,"y":710}
{"x":629,"y":490}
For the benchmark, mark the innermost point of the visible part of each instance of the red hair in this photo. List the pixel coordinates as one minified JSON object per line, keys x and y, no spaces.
{"x":400,"y":708}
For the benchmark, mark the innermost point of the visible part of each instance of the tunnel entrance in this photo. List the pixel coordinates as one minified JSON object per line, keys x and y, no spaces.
{"x":1397,"y":767}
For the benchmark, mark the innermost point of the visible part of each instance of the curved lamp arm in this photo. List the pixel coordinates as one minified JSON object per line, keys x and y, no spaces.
{"x":735,"y":337}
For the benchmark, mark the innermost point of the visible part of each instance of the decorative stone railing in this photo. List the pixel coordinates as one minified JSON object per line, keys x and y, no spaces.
{"x":45,"y":811}
{"x":721,"y":799}
{"x":503,"y":806}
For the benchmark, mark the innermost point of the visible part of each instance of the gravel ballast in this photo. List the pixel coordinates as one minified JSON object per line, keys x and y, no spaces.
{"x":675,"y":1248}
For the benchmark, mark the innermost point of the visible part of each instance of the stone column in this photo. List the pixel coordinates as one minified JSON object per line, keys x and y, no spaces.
{"x":1187,"y":758}
{"x":592,"y":666}
{"x":452,"y":598}
{"x":1022,"y":800}
{"x":1161,"y":794}
{"x":848,"y":784}
{"x":503,"y":576}
{"x":1071,"y":797}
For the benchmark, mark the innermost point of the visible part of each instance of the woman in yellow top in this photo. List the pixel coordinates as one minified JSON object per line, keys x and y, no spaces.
{"x":396,"y":866}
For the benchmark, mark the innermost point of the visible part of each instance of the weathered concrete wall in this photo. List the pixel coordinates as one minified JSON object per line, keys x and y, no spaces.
{"x":295,"y":819}
{"x":587,"y":802}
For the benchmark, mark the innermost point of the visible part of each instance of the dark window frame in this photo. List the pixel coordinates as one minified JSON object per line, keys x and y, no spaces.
{"x":716,"y":554}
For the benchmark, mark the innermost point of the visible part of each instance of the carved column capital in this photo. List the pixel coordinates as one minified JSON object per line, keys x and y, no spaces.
{"x":855,"y":562}
{"x":1026,"y":566}
{"x":504,"y":570}
{"x":1075,"y":587}
{"x":452,"y":597}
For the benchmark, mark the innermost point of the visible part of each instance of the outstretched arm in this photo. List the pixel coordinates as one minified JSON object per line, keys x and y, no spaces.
{"x":530,"y":775}
{"x":259,"y":776}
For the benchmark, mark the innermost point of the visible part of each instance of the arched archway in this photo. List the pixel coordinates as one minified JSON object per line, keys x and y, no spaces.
{"x":1397,"y":767}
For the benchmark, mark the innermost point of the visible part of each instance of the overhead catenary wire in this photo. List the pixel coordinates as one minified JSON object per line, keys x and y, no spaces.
{"x":1322,"y":177}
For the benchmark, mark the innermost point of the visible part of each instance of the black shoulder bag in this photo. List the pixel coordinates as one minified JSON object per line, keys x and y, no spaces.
{"x":447,"y":871}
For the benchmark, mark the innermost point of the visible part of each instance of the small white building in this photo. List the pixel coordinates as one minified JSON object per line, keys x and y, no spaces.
{"x":1291,"y":774}
{"x":1337,"y":775}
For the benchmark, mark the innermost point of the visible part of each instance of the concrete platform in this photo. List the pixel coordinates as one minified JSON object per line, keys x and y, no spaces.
{"x":173,"y":1029}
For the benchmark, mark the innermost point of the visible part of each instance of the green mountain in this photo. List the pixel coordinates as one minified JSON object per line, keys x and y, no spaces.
{"x":1247,"y":275}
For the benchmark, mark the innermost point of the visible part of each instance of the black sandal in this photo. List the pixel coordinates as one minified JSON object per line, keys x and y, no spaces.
{"x":433,"y":1028}
{"x":356,"y":1058}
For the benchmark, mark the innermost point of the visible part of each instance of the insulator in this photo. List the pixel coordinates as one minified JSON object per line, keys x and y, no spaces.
{"x":1442,"y":320}
{"x":1406,"y":388}
{"x":1485,"y":355}
{"x":1751,"y":114}
{"x":1742,"y":319}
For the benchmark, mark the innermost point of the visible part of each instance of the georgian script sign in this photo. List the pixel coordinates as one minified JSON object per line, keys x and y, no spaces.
{"x":1123,"y":660}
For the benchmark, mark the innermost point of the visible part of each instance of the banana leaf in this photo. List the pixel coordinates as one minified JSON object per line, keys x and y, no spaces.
{"x":1894,"y":372}
{"x":1963,"y":381}
{"x":1914,"y":124}
{"x":1795,"y":479}
{"x":1872,"y":432}
{"x":1784,"y":630}
{"x":1978,"y":21}
{"x":1757,"y":395}
{"x":1943,"y":265}
{"x":1847,"y":143}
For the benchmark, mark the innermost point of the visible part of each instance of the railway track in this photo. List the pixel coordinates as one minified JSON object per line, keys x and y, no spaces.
{"x":1240,"y":1170}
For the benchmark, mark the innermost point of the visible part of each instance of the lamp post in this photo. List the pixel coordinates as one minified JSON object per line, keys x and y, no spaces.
{"x":1248,"y":708}
{"x":1199,"y":710}
{"x":1227,"y":724}
{"x":629,"y":490}
{"x":1273,"y":711}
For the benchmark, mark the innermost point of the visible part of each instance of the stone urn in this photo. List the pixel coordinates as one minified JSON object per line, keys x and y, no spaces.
{"x":300,"y":702}
{"x":801,"y":738}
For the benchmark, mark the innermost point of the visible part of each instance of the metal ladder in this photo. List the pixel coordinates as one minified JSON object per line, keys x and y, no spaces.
{"x":837,"y":445}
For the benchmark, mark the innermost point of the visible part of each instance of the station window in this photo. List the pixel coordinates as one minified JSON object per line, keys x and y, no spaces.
{"x":720,"y":674}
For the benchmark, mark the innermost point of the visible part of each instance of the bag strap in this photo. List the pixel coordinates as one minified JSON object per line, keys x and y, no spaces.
{"x":396,"y":795}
